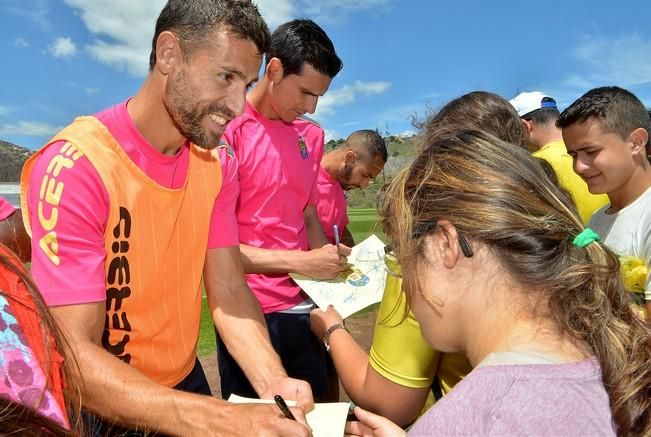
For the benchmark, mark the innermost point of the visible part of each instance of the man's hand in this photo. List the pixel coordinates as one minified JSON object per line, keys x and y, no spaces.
{"x":321,"y":320}
{"x":325,"y":262}
{"x":241,"y":324}
{"x":267,"y":420}
{"x":224,"y":418}
{"x":290,"y":389}
{"x":372,"y":425}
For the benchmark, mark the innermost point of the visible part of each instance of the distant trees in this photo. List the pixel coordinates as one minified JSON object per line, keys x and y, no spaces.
{"x":333,"y":144}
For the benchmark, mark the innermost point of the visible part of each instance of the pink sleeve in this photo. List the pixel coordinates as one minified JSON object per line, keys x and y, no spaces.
{"x":68,"y":258}
{"x":223,"y":222}
{"x":6,"y":208}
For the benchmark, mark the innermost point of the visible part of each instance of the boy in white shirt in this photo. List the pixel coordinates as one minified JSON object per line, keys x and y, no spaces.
{"x":606,"y":131}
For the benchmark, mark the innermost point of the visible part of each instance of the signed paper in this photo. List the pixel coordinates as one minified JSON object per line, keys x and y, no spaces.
{"x":355,"y":289}
{"x":326,"y":420}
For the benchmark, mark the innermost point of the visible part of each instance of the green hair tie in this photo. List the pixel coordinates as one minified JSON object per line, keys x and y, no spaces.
{"x":586,"y":237}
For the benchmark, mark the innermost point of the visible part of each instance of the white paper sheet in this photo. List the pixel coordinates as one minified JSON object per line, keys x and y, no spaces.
{"x":326,"y":420}
{"x":352,"y":291}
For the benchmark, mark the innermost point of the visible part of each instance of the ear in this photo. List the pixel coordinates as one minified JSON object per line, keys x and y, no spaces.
{"x":168,"y":52}
{"x":527,"y":126}
{"x":350,"y":157}
{"x":274,"y":71}
{"x":444,"y":243}
{"x":639,"y":138}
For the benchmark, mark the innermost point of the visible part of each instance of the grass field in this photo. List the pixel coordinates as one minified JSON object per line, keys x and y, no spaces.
{"x":206,"y":344}
{"x":362,"y":224}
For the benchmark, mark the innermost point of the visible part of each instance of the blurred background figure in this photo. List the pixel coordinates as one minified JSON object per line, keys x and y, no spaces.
{"x":539,"y":114}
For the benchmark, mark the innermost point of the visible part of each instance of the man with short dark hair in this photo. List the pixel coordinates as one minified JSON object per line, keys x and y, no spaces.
{"x":127,"y":208}
{"x":279,"y":152}
{"x":539,"y":113}
{"x":353,"y":164}
{"x":607,"y":131}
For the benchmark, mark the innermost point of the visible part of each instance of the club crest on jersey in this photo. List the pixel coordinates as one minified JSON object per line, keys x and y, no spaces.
{"x":225,"y":146}
{"x":302,"y":147}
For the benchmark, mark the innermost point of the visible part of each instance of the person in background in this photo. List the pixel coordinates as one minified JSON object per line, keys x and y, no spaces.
{"x":395,"y":379}
{"x":12,"y":231}
{"x":539,"y":114}
{"x":497,"y":264}
{"x":607,"y":134}
{"x":279,"y":151}
{"x":132,"y":209}
{"x":353,"y":164}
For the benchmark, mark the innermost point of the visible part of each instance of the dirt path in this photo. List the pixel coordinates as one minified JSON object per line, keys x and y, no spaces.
{"x":361,"y":327}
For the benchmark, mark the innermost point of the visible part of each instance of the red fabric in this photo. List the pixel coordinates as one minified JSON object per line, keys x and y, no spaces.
{"x":25,"y":311}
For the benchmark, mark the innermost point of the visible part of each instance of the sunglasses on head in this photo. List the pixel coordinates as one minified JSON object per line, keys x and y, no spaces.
{"x":423,"y":228}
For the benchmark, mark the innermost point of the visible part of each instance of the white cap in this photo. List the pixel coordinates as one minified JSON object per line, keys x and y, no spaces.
{"x":525,"y":103}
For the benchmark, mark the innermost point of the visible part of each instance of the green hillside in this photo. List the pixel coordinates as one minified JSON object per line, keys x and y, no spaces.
{"x":12,"y":158}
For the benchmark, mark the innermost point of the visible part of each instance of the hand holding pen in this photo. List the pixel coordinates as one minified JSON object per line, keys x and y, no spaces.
{"x":325,"y":262}
{"x":283,"y":407}
{"x":336,"y":232}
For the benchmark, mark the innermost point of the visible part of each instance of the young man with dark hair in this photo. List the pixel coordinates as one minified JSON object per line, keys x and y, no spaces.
{"x":539,"y":113}
{"x":129,"y":207}
{"x":279,"y":153}
{"x":606,"y":132}
{"x":353,"y":164}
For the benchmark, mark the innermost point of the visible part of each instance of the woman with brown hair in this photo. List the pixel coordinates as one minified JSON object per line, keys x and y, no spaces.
{"x":497,"y":264}
{"x":395,"y":379}
{"x":37,"y":374}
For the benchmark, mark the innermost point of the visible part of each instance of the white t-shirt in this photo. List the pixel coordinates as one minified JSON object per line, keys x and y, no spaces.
{"x":628,"y":231}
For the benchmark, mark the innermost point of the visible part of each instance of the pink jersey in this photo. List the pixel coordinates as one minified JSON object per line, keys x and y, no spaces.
{"x":331,"y":206}
{"x":6,"y":208}
{"x":83,"y":211}
{"x":278,"y":164}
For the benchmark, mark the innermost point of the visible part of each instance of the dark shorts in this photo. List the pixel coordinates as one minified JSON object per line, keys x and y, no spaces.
{"x":302,"y":354}
{"x":195,"y":382}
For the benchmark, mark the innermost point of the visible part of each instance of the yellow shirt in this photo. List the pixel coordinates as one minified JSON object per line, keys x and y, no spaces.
{"x":399,"y":352}
{"x":587,"y":203}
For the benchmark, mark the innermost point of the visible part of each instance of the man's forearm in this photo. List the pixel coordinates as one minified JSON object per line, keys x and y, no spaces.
{"x":315,"y":236}
{"x":259,"y":260}
{"x":242,"y":328}
{"x":239,"y":319}
{"x":118,"y":392}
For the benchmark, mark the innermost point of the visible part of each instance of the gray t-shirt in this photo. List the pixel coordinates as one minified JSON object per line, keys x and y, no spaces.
{"x":525,"y":399}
